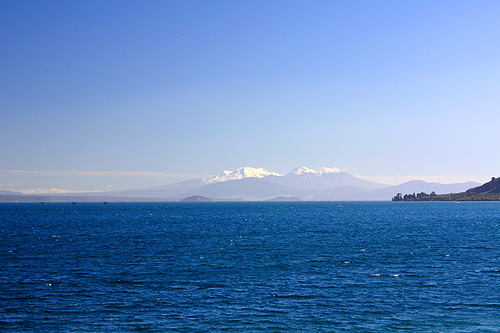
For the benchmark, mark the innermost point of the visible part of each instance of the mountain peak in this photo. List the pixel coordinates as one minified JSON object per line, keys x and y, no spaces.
{"x":301,"y":171}
{"x":240,"y":173}
{"x":248,"y":172}
{"x":304,"y":170}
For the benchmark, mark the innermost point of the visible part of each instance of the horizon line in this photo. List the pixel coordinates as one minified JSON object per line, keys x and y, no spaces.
{"x":148,"y":174}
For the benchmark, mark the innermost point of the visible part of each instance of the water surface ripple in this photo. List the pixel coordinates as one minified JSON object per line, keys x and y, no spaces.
{"x":257,"y":267}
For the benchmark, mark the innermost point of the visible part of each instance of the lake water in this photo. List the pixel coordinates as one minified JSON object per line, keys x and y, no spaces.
{"x":252,"y":267}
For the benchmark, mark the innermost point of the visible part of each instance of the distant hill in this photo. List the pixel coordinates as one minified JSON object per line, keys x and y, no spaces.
{"x":196,"y":198}
{"x":416,"y":186}
{"x":4,"y":192}
{"x":489,"y":191}
{"x":283,"y":198}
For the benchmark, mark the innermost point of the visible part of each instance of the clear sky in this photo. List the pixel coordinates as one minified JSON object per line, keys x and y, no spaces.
{"x":104,"y":95}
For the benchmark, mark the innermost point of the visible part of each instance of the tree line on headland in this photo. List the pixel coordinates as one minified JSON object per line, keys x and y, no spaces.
{"x":489,"y":191}
{"x":413,"y":197}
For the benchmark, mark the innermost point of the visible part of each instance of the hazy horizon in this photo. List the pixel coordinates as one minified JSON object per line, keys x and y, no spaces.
{"x":112,"y":95}
{"x":389,"y":181}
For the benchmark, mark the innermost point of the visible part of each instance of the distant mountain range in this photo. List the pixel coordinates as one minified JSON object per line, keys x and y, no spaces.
{"x":3,"y":192}
{"x":489,"y":191}
{"x":246,"y":183}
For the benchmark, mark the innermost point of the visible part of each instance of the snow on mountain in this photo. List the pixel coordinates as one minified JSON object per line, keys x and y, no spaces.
{"x":248,"y":172}
{"x":305,"y":170}
{"x":240,"y":173}
{"x":301,"y":171}
{"x":324,"y":170}
{"x":323,"y":179}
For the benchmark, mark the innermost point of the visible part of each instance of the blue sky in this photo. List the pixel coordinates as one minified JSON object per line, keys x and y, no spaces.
{"x":99,"y":95}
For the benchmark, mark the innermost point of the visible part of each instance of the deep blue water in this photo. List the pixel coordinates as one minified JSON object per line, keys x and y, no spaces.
{"x":199,"y":267}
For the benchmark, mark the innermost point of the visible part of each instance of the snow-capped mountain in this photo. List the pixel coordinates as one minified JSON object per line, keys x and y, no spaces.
{"x":305,"y":170}
{"x":247,"y":183}
{"x":240,"y":173}
{"x":301,"y":171}
{"x":248,"y":172}
{"x":301,"y":178}
{"x":304,"y":178}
